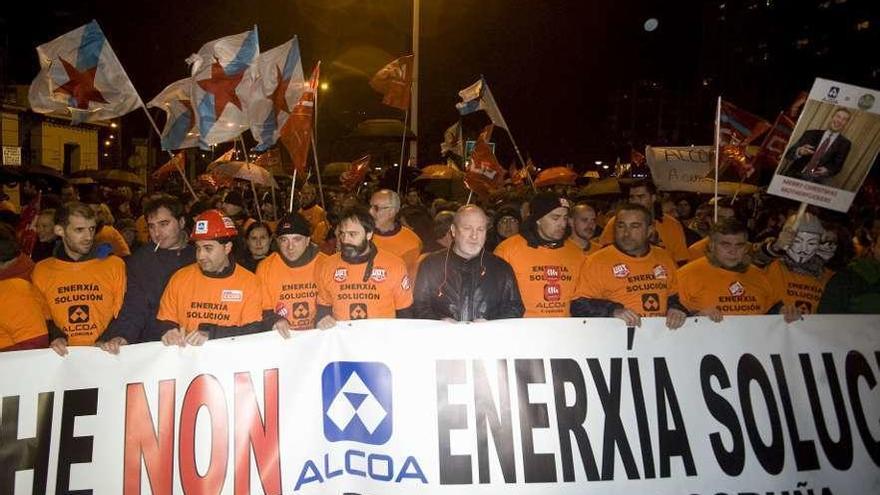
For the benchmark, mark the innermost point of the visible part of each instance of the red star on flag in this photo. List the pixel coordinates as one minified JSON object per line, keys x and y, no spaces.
{"x":222,"y":86}
{"x":279,"y":96}
{"x":80,"y":85}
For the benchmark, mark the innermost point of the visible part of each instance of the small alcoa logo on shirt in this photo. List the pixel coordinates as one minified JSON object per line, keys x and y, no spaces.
{"x":229,"y":295}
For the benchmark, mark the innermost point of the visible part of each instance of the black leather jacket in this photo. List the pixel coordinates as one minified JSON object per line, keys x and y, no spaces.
{"x":448,"y":286}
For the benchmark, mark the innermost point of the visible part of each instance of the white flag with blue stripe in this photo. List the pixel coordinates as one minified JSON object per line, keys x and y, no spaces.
{"x":217,"y":93}
{"x":80,"y":75}
{"x":180,"y":120}
{"x":478,"y":96}
{"x":272,"y":88}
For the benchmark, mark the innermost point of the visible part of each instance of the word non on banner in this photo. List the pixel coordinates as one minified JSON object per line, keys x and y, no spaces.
{"x":681,"y":168}
{"x":748,"y":405}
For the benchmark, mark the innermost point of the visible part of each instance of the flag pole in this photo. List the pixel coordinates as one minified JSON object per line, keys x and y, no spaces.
{"x":292,"y":185}
{"x":318,"y":170}
{"x":159,"y":133}
{"x":717,"y":153}
{"x":247,"y":162}
{"x":402,"y":149}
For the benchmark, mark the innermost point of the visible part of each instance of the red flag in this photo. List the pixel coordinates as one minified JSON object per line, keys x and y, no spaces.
{"x":271,"y":161}
{"x":352,"y":177}
{"x":484,"y":174}
{"x":394,"y":81}
{"x":738,"y":130}
{"x":637,"y":159}
{"x":27,"y":225}
{"x":297,"y":131}
{"x":171,"y":166}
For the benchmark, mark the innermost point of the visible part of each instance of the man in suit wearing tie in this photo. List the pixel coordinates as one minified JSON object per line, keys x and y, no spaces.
{"x":819,"y":155}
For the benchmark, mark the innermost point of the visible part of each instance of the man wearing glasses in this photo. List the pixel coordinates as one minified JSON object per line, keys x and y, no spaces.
{"x":390,"y":235}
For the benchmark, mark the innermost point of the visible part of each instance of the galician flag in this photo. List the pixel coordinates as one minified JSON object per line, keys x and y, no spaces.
{"x":180,"y":119}
{"x":217,"y":71}
{"x":81,"y":76}
{"x":272,"y":88}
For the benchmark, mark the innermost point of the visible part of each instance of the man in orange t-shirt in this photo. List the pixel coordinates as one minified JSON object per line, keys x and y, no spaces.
{"x":545,"y":263}
{"x":724,"y":282}
{"x":361,"y":281}
{"x":583,"y":228}
{"x":289,"y":277}
{"x":630,"y":278}
{"x":390,"y":235}
{"x":214,"y":297}
{"x":24,"y":312}
{"x":667,"y":232}
{"x":83,"y":292}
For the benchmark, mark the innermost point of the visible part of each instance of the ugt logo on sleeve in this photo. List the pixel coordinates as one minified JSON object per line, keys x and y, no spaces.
{"x":357,"y":402}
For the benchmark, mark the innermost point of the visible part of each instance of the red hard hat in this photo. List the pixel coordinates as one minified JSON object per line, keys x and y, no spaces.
{"x":212,"y":225}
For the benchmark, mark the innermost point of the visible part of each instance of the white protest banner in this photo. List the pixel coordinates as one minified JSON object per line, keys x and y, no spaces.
{"x":681,"y":168}
{"x":746,"y":406}
{"x":832,"y":148}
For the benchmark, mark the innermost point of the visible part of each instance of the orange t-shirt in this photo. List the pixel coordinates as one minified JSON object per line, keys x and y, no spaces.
{"x":23,"y":313}
{"x":643,"y":285}
{"x":317,"y":218}
{"x":341,"y":286}
{"x":109,"y":235}
{"x":702,"y":285}
{"x":546,"y":277}
{"x":192,"y":298}
{"x":698,"y":249}
{"x":404,"y":243}
{"x":291,"y":292}
{"x":669,"y":230}
{"x":802,"y":291}
{"x":83,"y":296}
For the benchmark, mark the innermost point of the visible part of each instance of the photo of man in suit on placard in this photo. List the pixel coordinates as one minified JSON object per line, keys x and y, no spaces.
{"x":819,"y":155}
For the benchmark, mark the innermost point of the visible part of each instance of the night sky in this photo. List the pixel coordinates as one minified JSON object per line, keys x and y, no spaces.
{"x":555,"y":67}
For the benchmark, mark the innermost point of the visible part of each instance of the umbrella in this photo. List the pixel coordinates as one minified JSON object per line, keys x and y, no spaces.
{"x":556,"y":175}
{"x":602,"y":187}
{"x":44,"y":172}
{"x":443,"y":181}
{"x":10,"y":174}
{"x":440,"y":172}
{"x":121,"y":177}
{"x":244,"y":171}
{"x":707,"y":186}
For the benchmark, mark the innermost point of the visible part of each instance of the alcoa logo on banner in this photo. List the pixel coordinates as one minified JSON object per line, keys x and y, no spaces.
{"x":357,"y":407}
{"x":357,"y":402}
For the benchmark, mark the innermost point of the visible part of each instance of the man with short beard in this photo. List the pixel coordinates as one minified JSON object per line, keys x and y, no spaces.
{"x":583,"y":228}
{"x":630,"y":278}
{"x":546,"y":266}
{"x":214,"y":297}
{"x":724,"y":282}
{"x":361,"y":281}
{"x":289,"y":277}
{"x":84,"y":292}
{"x":148,"y":271}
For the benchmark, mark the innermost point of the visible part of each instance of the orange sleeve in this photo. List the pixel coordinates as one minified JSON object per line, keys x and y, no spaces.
{"x":672,"y":285}
{"x":325,"y":297}
{"x":777,"y":282}
{"x":265,"y":278}
{"x":253,"y":306}
{"x":589,"y":283}
{"x":23,"y":315}
{"x":676,"y":243}
{"x":697,"y":250}
{"x":688,"y":288}
{"x":168,"y":303}
{"x":607,"y":236}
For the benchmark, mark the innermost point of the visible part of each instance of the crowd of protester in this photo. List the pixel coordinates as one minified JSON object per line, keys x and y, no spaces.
{"x":112,"y":268}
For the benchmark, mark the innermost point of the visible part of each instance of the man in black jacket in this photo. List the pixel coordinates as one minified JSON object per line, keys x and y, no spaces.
{"x":464,"y":282}
{"x":818,"y":155}
{"x":148,"y":271}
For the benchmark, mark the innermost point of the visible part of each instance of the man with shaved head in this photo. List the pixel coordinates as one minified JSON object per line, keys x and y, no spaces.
{"x":464,"y":282}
